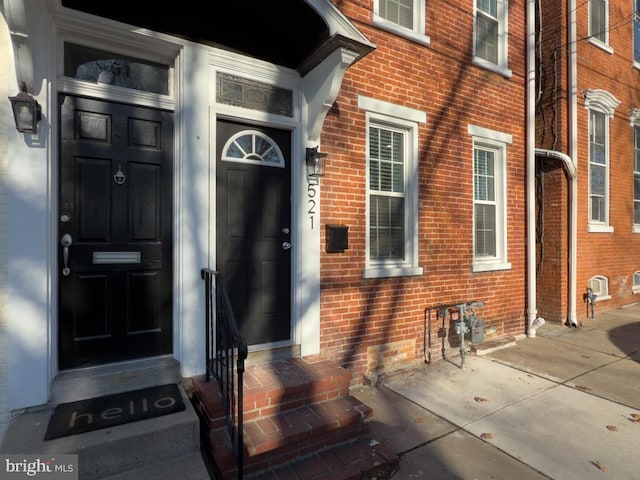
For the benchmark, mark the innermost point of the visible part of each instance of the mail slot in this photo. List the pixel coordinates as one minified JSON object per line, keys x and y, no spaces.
{"x":116,"y":257}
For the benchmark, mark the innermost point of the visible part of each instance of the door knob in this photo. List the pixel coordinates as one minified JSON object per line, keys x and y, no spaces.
{"x":66,"y":242}
{"x":286,"y":245}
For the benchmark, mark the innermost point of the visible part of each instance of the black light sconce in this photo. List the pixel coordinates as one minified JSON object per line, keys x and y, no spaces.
{"x":315,"y":162}
{"x":26,"y":111}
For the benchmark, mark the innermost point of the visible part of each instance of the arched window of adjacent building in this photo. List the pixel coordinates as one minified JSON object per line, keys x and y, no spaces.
{"x":600,"y":287}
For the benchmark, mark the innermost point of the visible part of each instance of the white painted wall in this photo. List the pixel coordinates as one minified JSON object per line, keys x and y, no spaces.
{"x":5,"y":116}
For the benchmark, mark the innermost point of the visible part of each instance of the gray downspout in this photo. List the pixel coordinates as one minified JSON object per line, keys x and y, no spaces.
{"x":572,"y":100}
{"x":532,"y":311}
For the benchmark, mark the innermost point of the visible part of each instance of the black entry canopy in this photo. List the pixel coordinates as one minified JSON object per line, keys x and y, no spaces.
{"x":284,"y":32}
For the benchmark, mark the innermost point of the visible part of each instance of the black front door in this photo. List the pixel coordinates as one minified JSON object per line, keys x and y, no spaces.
{"x":114,"y":224}
{"x":253,"y":208}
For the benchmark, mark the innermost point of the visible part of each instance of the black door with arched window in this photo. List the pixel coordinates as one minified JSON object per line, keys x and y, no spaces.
{"x":253,"y":228}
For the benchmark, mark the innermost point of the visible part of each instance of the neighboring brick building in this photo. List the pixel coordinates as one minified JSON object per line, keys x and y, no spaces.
{"x":588,"y":139}
{"x":430,"y":84}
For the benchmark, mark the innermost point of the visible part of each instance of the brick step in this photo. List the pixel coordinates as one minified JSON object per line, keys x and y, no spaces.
{"x":275,"y":387}
{"x":351,"y":461}
{"x":294,"y":433}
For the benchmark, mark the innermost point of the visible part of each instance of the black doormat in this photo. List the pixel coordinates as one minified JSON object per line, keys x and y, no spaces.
{"x":111,"y":410}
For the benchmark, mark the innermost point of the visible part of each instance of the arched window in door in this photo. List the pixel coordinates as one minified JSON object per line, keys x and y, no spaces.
{"x":252,"y":146}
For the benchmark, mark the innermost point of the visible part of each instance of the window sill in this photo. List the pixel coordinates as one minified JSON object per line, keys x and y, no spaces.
{"x":593,"y":228}
{"x":490,"y":267}
{"x":392,"y":271}
{"x":499,"y":69}
{"x":635,"y":229}
{"x":601,"y":46}
{"x":635,"y":289}
{"x":402,"y":31}
{"x":603,"y":297}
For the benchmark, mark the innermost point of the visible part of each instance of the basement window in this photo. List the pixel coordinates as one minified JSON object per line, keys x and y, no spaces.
{"x":600,"y":287}
{"x":636,"y":282}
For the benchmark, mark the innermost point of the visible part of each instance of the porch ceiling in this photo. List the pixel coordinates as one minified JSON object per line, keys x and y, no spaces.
{"x":284,"y":32}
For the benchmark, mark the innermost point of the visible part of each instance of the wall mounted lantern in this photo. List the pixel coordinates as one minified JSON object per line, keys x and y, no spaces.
{"x":26,"y":111}
{"x":315,"y":162}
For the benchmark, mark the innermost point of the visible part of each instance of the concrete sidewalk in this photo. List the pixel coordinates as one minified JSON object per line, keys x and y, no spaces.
{"x":561,"y":406}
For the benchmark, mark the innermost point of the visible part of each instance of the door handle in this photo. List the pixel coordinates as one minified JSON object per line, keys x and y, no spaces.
{"x":66,"y":242}
{"x":286,"y":245}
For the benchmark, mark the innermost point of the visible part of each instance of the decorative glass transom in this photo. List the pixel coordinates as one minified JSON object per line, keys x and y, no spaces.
{"x":252,"y":146}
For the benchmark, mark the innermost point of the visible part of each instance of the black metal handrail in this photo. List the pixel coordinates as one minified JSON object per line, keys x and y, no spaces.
{"x":223,"y":345}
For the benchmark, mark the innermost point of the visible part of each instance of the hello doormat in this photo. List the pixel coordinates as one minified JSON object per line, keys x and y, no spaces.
{"x":111,"y":410}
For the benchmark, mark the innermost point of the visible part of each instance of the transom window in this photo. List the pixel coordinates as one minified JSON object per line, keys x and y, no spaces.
{"x":108,"y":68}
{"x":252,"y":146}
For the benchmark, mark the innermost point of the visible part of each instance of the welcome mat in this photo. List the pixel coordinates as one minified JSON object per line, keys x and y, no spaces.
{"x":103,"y":412}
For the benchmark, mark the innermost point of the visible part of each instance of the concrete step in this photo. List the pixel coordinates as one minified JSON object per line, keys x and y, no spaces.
{"x":187,"y":467}
{"x":112,"y":451}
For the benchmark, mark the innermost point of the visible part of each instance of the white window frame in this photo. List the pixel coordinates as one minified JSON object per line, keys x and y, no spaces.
{"x":599,"y":285}
{"x":636,"y":33}
{"x":602,"y":43}
{"x":484,"y":138}
{"x":502,"y":65}
{"x":417,"y":33}
{"x":636,"y":282}
{"x":407,"y":120}
{"x":636,"y":169}
{"x":602,"y":102}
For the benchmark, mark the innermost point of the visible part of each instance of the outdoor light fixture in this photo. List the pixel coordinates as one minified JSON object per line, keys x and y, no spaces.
{"x":315,"y":162}
{"x":26,"y":111}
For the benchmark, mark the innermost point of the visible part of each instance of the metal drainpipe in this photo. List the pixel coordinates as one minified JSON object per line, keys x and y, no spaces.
{"x":572,"y":100}
{"x":532,"y":311}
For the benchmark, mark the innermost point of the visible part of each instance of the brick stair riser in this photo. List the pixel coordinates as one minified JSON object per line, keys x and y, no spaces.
{"x":287,"y":436}
{"x":258,"y":404}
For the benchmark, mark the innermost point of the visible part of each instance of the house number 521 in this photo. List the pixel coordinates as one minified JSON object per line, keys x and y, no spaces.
{"x":312,"y":191}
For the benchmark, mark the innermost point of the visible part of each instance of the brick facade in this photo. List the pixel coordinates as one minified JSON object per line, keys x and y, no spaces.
{"x":361,"y":316}
{"x":610,"y":67}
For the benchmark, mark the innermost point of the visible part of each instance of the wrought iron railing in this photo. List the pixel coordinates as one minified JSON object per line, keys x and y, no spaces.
{"x":226,"y":352}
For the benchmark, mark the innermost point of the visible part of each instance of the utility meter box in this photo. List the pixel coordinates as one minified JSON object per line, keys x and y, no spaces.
{"x":476,"y":330}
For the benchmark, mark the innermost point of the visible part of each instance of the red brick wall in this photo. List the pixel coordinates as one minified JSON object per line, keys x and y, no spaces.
{"x":360,"y":315}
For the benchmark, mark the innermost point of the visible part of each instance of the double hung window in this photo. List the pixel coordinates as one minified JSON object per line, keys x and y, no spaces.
{"x":489,"y":199}
{"x":392,"y":189}
{"x":402,"y":17}
{"x":491,"y":35}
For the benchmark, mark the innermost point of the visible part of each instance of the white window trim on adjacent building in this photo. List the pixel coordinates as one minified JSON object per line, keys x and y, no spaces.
{"x":406,"y":121}
{"x":636,"y":33}
{"x":500,"y":17}
{"x":636,"y":282}
{"x":416,"y":32}
{"x":599,"y":284}
{"x":496,"y":143}
{"x":599,"y":33}
{"x":635,"y":124}
{"x":599,"y":102}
